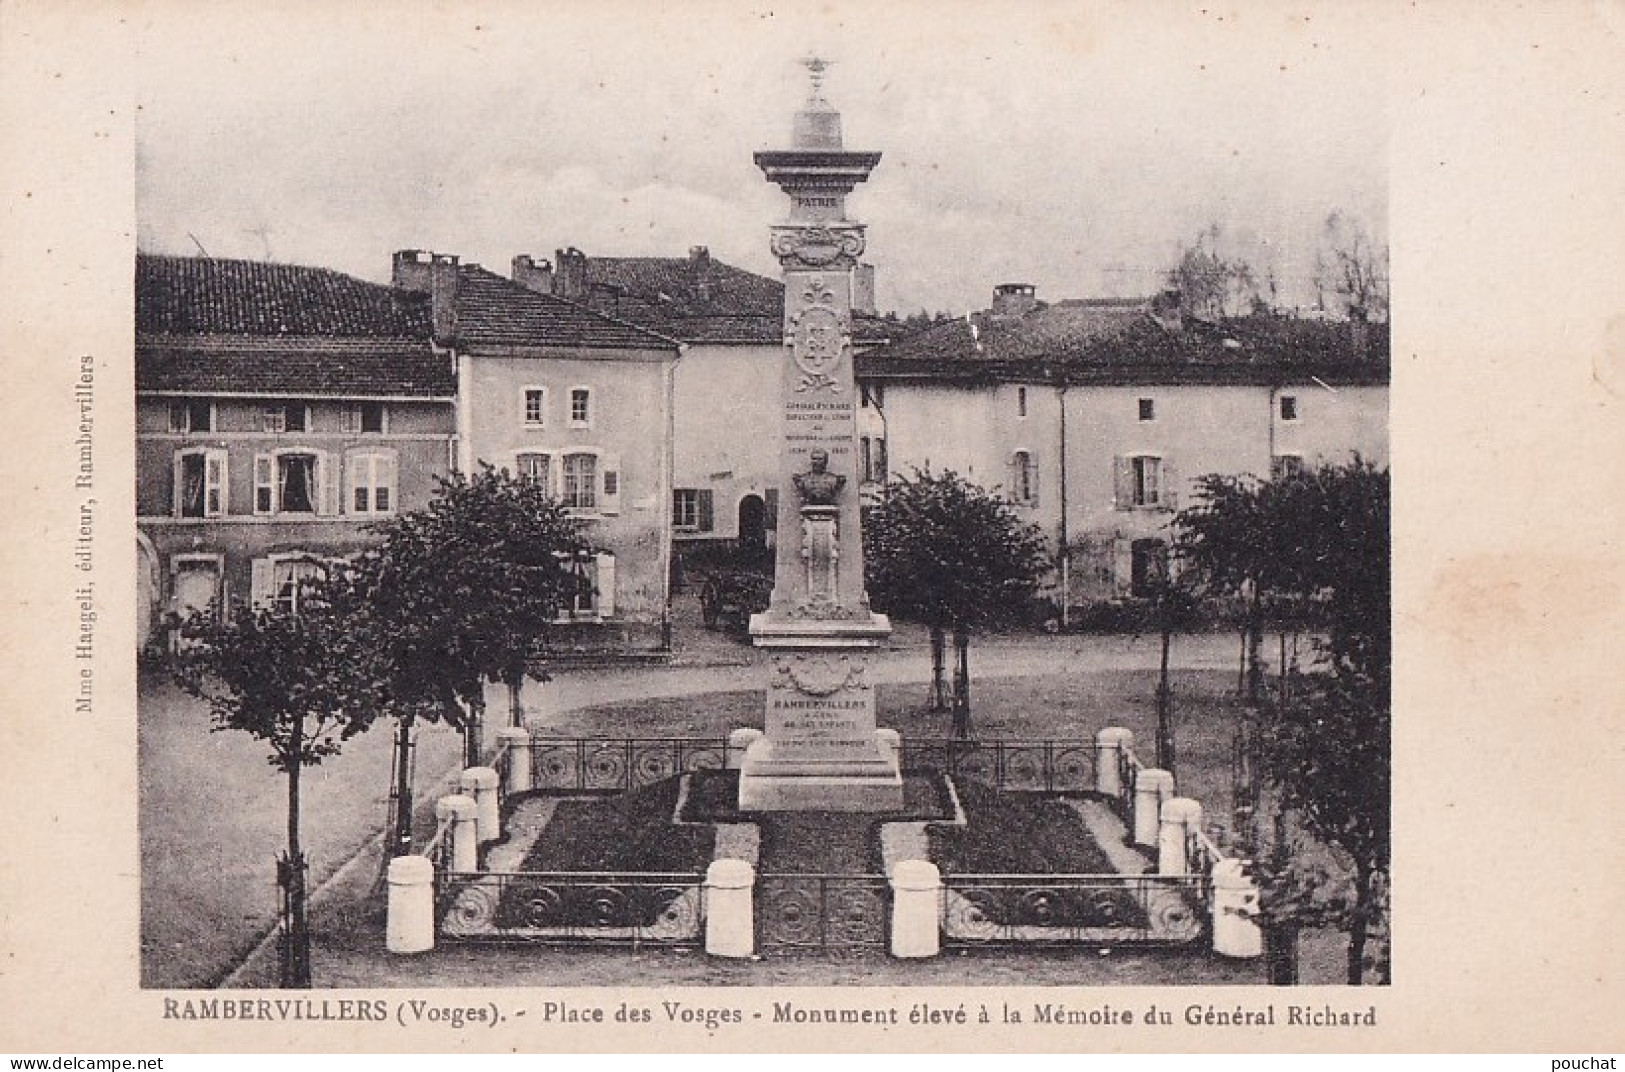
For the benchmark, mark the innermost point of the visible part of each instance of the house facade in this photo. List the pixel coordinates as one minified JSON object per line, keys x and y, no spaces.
{"x":280,"y":410}
{"x":582,"y":401}
{"x":1095,"y":418}
{"x":724,"y":492}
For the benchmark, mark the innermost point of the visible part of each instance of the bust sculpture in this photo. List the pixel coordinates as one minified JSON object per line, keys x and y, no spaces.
{"x":818,"y":486}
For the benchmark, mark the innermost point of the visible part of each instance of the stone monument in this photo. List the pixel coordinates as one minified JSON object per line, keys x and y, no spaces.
{"x":819,"y":749}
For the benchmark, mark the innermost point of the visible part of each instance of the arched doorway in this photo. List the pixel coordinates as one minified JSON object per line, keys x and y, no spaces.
{"x":752,"y":523}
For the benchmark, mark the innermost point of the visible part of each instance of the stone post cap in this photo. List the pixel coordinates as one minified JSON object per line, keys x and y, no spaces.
{"x":410,"y":871}
{"x":1114,"y":735}
{"x":730,"y":874}
{"x":514,"y":733}
{"x":479,"y":778}
{"x":916,"y":875}
{"x":744,"y":733}
{"x":1181,"y":810}
{"x":1154,"y":778}
{"x":1231,"y":874}
{"x":456,"y":806}
{"x":889,"y":735}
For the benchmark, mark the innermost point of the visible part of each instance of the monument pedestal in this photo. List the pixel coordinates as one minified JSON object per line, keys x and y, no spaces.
{"x":820,"y":750}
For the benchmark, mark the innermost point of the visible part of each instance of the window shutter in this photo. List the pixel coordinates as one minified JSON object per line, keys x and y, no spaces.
{"x":355,"y":468}
{"x":1012,"y":479}
{"x":606,"y":584}
{"x":609,"y":470}
{"x":327,"y":483}
{"x":217,"y":484}
{"x":771,"y":500}
{"x":1122,"y":482}
{"x":261,"y":583}
{"x":707,"y":510}
{"x":1170,"y":485}
{"x":178,"y":488}
{"x":264,"y":484}
{"x":1032,"y":479}
{"x":1122,"y":566}
{"x":384,"y":495}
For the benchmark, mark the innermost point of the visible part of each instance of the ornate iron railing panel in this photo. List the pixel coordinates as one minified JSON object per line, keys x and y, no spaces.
{"x":1036,"y":766}
{"x":980,"y":910}
{"x":571,"y":907}
{"x":822,"y":914}
{"x":587,"y":765}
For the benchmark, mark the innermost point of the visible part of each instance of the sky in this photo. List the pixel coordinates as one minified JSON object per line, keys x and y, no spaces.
{"x":1073,"y":146}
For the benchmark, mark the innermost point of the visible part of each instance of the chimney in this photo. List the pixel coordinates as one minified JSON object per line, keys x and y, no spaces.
{"x":1168,"y":310}
{"x":699,"y":262}
{"x":533,"y":274}
{"x":863,"y":289}
{"x":570,"y":274}
{"x":434,"y":274}
{"x":1011,"y":300}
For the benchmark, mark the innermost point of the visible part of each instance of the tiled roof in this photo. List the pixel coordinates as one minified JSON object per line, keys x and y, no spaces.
{"x":201,"y":295}
{"x":1111,"y":342}
{"x":494,"y":311}
{"x":292,"y":365}
{"x":701,"y":300}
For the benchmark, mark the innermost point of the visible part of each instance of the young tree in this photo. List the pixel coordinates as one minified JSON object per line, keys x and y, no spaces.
{"x":1211,"y":286}
{"x":1351,"y":269}
{"x":301,"y":680}
{"x":466,"y":591}
{"x":954,"y":557}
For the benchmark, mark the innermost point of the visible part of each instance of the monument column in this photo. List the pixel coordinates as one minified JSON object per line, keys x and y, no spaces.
{"x":819,"y":749}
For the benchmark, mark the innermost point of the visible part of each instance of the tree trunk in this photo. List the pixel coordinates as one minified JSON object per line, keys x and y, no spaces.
{"x":939,"y":656}
{"x":1281,"y":953}
{"x":403,"y":786}
{"x":516,"y":703}
{"x":1165,"y":702}
{"x":1255,"y":647}
{"x":1358,"y":925}
{"x":962,"y":684}
{"x":473,"y":719}
{"x":296,"y":932}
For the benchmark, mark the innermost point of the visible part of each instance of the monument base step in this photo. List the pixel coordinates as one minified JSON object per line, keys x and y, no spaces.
{"x":811,"y":792}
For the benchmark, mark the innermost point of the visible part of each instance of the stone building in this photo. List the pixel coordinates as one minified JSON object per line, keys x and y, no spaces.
{"x":1095,"y":417}
{"x":279,"y":410}
{"x":583,"y":401}
{"x":724,"y":490}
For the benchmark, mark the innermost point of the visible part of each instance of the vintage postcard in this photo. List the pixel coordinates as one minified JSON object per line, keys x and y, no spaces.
{"x":1036,"y":527}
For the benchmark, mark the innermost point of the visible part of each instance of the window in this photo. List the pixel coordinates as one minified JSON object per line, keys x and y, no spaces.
{"x":371,"y":479}
{"x":1289,"y":407}
{"x":537,"y":468}
{"x":191,"y":415}
{"x":277,"y":581}
{"x":1147,"y":481}
{"x":291,"y":482}
{"x":1148,"y":566}
{"x":580,"y":407}
{"x":1143,"y":481}
{"x":693,"y":509}
{"x":285,"y":417}
{"x":1023,"y":478}
{"x":1285,"y":466}
{"x":866,"y":459}
{"x":200,"y":483}
{"x":592,"y":595}
{"x":1148,"y":409}
{"x":1021,"y":402}
{"x":580,"y":481}
{"x":872,"y":395}
{"x":363,"y":418}
{"x":535,"y":406}
{"x":880,"y":469}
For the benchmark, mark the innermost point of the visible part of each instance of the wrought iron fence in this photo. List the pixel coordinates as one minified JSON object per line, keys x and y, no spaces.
{"x":980,"y":910}
{"x":571,"y":907}
{"x":589,"y":765}
{"x":1013,"y":766}
{"x":832,"y":915}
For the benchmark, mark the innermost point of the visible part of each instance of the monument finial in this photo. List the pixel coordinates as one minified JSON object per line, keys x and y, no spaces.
{"x":816,"y":66}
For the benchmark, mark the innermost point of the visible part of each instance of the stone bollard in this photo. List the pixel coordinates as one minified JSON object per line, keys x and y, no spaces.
{"x":1111,"y":744}
{"x":894,"y":741}
{"x":1235,"y":911}
{"x":738,"y":741}
{"x":410,"y":928}
{"x":1152,"y":786}
{"x":481,"y":784}
{"x":730,"y":918}
{"x":916,"y":896}
{"x":516,"y":744}
{"x":463,"y":848}
{"x":1180,"y":816}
